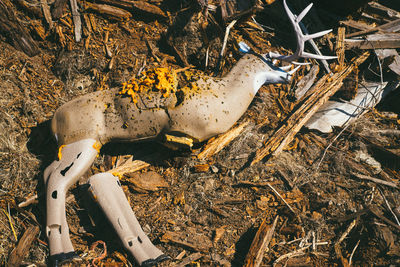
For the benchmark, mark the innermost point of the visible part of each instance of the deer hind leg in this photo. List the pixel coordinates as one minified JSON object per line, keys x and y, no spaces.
{"x":107,"y":191}
{"x":74,"y":160}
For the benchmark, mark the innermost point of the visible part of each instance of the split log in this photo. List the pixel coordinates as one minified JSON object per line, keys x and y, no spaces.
{"x":260,"y":243}
{"x":109,"y":11}
{"x":15,"y":32}
{"x":375,"y":41}
{"x":24,"y":244}
{"x":217,"y":144}
{"x":140,"y":6}
{"x":315,"y":98}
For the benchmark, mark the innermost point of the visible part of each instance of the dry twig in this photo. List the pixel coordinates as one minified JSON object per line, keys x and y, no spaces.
{"x":338,"y":251}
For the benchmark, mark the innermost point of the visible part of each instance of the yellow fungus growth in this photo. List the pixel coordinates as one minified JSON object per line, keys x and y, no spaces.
{"x":59,"y":152}
{"x":117,"y":174}
{"x":163,"y":80}
{"x":97,"y":146}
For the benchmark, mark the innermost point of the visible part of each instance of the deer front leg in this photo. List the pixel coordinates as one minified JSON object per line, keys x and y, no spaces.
{"x":74,"y":159}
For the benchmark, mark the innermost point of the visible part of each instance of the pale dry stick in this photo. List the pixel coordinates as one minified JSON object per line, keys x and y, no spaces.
{"x":207,"y":56}
{"x":353,"y":251}
{"x":375,"y":180}
{"x":228,"y":29}
{"x":291,"y":255}
{"x":313,"y":241}
{"x":304,"y":240}
{"x":342,"y":237}
{"x":28,"y":201}
{"x":388,"y":206}
{"x":280,"y":196}
{"x":77,"y":20}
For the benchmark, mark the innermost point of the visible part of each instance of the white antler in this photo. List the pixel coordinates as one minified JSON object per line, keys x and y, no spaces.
{"x":301,"y":38}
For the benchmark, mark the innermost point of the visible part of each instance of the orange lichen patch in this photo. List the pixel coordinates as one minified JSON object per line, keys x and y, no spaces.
{"x":117,"y":174}
{"x":190,"y":78}
{"x":97,"y":146}
{"x":163,"y":80}
{"x":59,"y":152}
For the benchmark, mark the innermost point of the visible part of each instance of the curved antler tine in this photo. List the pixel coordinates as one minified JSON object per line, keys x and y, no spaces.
{"x":291,"y":16}
{"x":304,"y":13}
{"x":316,"y":35}
{"x":315,"y":56}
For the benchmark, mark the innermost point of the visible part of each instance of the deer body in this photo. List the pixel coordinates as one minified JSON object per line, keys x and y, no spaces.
{"x":210,"y":110}
{"x":106,"y":116}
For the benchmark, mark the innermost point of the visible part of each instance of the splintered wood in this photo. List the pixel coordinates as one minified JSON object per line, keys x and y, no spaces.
{"x":340,"y":45}
{"x":260,"y":244}
{"x":217,"y":144}
{"x":189,"y":239}
{"x":314,"y":99}
{"x":129,"y":166}
{"x":110,"y":11}
{"x":24,"y":244}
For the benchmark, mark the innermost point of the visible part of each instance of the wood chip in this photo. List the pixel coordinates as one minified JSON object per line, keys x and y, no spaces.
{"x":217,"y":144}
{"x":148,"y":8}
{"x":188,"y":239}
{"x":189,"y":259}
{"x":146,"y":182}
{"x":24,"y":244}
{"x":110,"y":11}
{"x":260,"y":243}
{"x":201,"y":168}
{"x":129,"y":166}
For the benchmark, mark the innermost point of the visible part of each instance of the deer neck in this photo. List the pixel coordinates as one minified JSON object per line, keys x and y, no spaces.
{"x":249,"y":74}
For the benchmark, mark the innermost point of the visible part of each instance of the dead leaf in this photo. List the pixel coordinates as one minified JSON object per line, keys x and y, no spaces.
{"x":146,"y":182}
